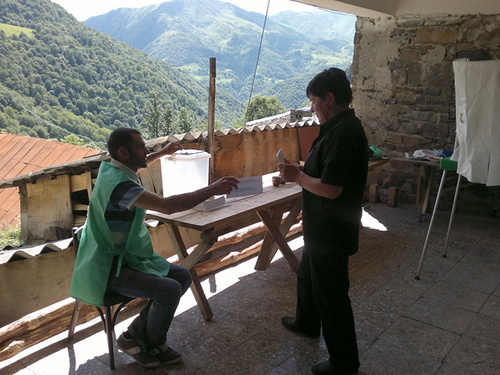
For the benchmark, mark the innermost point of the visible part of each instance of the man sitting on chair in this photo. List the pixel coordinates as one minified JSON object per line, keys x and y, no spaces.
{"x":116,"y":255}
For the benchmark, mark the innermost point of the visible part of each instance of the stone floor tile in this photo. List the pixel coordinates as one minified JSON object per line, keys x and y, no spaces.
{"x":478,"y":278}
{"x":441,"y":315}
{"x":472,"y":356}
{"x":492,"y":306}
{"x":384,"y":358}
{"x":421,"y":338}
{"x":485,"y":327}
{"x":457,"y":295}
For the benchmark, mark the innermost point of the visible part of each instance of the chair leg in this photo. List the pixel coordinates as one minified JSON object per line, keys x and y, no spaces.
{"x":109,"y":333}
{"x":74,"y":319}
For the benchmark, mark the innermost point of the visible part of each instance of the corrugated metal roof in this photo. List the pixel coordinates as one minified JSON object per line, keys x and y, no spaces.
{"x":12,"y":255}
{"x":22,"y":156}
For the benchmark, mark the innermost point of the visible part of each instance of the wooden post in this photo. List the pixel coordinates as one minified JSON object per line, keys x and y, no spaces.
{"x":211,"y":119}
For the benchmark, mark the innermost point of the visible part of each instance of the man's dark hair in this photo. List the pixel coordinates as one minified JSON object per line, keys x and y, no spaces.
{"x":120,"y":137}
{"x":332,"y":80}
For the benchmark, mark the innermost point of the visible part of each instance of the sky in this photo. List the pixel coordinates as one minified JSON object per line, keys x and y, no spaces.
{"x":82,"y":10}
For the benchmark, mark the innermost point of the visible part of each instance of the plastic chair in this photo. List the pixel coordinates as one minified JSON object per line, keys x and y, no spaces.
{"x":111,"y":307}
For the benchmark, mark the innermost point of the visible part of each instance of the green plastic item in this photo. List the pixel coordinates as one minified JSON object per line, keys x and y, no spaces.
{"x":377,"y":153}
{"x":448,"y":164}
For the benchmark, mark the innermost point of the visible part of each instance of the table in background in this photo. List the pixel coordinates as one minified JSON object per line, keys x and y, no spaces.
{"x":268,"y":207}
{"x":427,"y":170}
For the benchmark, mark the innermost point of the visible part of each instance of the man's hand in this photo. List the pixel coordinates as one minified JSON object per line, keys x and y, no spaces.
{"x":185,"y":201}
{"x":170,"y":148}
{"x":224,"y":185}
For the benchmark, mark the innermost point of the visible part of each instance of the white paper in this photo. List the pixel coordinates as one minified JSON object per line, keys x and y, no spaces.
{"x":280,"y":156}
{"x":217,"y":201}
{"x":247,"y":186}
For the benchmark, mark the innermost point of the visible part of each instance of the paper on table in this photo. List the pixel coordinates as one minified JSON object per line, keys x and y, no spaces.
{"x":212,"y":203}
{"x":280,"y":156}
{"x":247,"y":186}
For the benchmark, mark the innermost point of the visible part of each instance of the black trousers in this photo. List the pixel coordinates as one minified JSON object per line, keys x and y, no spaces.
{"x":323,"y":300}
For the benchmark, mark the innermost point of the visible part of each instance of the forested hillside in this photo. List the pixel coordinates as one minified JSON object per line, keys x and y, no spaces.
{"x":185,"y":33}
{"x":59,"y":76}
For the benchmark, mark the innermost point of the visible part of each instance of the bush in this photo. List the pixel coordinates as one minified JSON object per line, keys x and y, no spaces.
{"x":10,"y":236}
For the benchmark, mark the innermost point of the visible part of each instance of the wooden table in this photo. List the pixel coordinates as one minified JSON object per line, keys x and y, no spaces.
{"x":268,"y":207}
{"x":427,"y":170}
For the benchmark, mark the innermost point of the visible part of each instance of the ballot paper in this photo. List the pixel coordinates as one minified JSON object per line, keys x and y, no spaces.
{"x":217,"y":201}
{"x":247,"y":186}
{"x":280,"y":156}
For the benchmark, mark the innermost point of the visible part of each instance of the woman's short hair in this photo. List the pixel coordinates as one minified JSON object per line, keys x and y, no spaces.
{"x":120,"y":137}
{"x":332,"y":80}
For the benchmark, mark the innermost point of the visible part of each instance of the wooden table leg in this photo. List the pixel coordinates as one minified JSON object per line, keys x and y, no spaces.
{"x":188,"y":262}
{"x":278,"y":233}
{"x":269,"y":245}
{"x":427,"y":175}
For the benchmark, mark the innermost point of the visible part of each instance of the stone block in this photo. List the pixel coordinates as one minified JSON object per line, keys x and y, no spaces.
{"x":416,"y":141}
{"x":409,"y":21}
{"x":435,"y":35}
{"x":394,"y":138}
{"x":435,"y":130}
{"x":438,"y":75}
{"x":392,"y":196}
{"x":373,"y":193}
{"x":435,"y":54}
{"x":409,"y":55}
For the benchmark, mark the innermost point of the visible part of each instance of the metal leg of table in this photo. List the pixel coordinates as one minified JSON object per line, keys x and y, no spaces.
{"x":457,"y":189}
{"x":441,"y":184}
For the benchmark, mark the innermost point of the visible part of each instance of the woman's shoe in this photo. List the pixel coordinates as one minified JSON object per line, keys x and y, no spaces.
{"x":291,"y":324}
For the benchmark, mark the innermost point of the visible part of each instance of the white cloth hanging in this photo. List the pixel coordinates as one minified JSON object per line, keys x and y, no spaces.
{"x":477,"y":142}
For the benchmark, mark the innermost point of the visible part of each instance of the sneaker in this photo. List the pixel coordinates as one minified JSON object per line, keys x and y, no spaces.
{"x":166,"y":354}
{"x":137,"y":350}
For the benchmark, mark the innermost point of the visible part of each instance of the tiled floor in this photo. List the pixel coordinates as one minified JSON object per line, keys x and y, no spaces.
{"x":446,"y":323}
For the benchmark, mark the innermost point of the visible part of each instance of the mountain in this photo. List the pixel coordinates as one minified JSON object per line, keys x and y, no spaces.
{"x":59,"y":76}
{"x":186,"y":33}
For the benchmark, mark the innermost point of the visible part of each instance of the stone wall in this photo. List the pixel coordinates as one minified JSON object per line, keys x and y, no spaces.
{"x":404,"y":86}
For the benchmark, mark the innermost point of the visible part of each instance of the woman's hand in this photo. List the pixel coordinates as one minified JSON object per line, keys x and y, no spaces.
{"x":290,"y":172}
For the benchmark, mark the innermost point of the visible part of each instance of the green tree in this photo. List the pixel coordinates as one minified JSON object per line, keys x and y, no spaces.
{"x":72,"y":139}
{"x":261,"y":107}
{"x":167,"y":125}
{"x":184,"y":121}
{"x":153,"y":114}
{"x":158,"y":120}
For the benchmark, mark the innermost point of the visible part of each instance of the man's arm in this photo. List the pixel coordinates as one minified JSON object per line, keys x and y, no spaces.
{"x":168,"y":149}
{"x":185,"y":201}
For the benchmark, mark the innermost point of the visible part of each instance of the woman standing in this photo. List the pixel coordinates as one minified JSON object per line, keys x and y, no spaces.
{"x":333,"y":182}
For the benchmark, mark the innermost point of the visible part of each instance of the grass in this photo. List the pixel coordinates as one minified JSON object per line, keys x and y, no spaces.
{"x":10,"y":30}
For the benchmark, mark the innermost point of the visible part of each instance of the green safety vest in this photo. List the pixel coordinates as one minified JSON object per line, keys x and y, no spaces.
{"x":96,"y":250}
